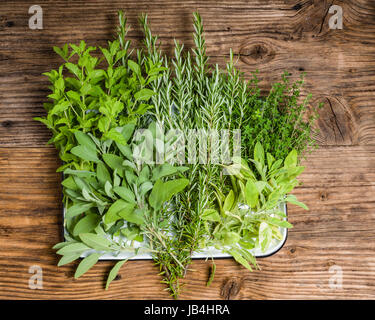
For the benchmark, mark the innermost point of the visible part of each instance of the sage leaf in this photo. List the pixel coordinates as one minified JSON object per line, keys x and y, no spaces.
{"x":130,"y":165}
{"x":125,"y":150}
{"x":131,"y":178}
{"x":156,"y":197}
{"x":86,"y":224}
{"x":279,"y":223}
{"x":293,"y":172}
{"x":127,"y":131}
{"x":86,"y":264}
{"x":108,"y":189}
{"x":114,"y":271}
{"x":68,"y":259}
{"x":125,"y":193}
{"x":95,"y":241}
{"x":84,"y":140}
{"x":292,"y":199}
{"x":231,"y":238}
{"x":145,"y":187}
{"x":73,"y":248}
{"x":80,"y":173}
{"x":75,"y":196}
{"x":133,"y":233}
{"x":113,"y":161}
{"x":276,"y":164}
{"x":163,"y":170}
{"x":116,"y":179}
{"x":116,"y":136}
{"x":172,"y":187}
{"x":162,"y":192}
{"x":270,"y":160}
{"x":59,"y":245}
{"x":85,"y":153}
{"x":81,"y":183}
{"x":260,"y":186}
{"x":102,"y":173}
{"x":112,"y":213}
{"x":87,"y":196}
{"x":131,"y":215}
{"x":77,"y":209}
{"x":69,"y":183}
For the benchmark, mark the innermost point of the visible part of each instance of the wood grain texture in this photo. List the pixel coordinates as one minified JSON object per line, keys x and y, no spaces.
{"x":339,"y":187}
{"x":272,"y":36}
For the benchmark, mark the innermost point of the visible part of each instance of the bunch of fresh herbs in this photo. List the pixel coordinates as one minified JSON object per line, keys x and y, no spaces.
{"x":194,"y":94}
{"x":111,"y":198}
{"x":97,"y":95}
{"x":117,"y":200}
{"x":250,"y":215}
{"x":280,"y":121}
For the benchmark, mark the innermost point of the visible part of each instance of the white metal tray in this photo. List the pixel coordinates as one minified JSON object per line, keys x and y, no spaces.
{"x":210,"y":252}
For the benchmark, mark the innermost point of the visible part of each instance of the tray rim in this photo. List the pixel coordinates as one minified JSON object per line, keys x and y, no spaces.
{"x":195,"y":256}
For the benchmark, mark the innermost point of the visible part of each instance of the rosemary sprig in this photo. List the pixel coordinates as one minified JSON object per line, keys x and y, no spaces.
{"x":199,"y":102}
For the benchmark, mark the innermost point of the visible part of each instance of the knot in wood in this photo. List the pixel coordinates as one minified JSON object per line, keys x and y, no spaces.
{"x":323,"y":195}
{"x":230,"y":288}
{"x":7,"y":123}
{"x":257,"y":52}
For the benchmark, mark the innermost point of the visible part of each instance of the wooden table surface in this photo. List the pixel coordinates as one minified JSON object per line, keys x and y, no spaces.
{"x":335,"y":238}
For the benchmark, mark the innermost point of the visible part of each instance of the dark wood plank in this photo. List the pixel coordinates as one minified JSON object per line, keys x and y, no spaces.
{"x":271,"y":36}
{"x":338,"y":186}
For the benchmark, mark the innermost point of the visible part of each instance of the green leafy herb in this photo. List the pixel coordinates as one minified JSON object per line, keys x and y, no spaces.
{"x":86,"y":264}
{"x":252,"y":219}
{"x":114,"y":271}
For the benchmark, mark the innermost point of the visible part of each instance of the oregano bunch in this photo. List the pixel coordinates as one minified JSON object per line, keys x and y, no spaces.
{"x":97,"y":94}
{"x":251,"y":214}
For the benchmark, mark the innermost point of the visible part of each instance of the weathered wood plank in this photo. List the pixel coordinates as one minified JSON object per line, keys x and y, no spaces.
{"x":338,"y":186}
{"x":271,"y":36}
